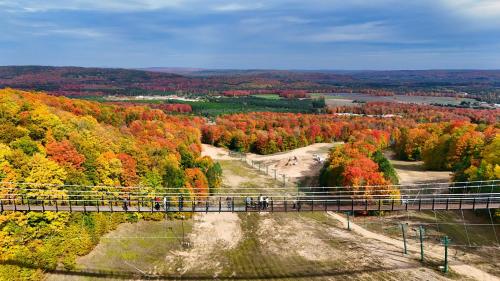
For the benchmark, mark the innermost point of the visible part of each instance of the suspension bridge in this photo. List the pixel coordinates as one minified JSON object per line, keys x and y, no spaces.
{"x":473,"y":195}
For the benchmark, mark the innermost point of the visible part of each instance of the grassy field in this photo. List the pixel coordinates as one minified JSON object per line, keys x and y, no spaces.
{"x":339,"y":99}
{"x":268,"y":96}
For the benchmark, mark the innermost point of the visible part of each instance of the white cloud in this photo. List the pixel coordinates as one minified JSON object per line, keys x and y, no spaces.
{"x":236,"y":7}
{"x":479,"y":10}
{"x":195,"y":6}
{"x":369,"y":31}
{"x":98,"y":5}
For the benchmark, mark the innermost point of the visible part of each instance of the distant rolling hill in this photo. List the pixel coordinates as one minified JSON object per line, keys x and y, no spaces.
{"x":79,"y":81}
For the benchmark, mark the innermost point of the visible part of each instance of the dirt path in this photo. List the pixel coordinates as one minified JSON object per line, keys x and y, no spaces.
{"x":457,"y":266}
{"x":411,"y":172}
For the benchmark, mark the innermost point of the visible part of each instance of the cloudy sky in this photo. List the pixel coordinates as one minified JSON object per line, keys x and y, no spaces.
{"x":278,"y":34}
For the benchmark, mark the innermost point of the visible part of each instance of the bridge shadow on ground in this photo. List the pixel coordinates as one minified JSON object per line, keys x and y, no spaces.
{"x":134,"y":275}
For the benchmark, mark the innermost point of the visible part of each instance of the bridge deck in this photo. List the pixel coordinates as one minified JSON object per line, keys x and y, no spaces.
{"x":273,"y":207}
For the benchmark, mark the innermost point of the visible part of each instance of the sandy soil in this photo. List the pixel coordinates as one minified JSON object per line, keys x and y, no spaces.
{"x":457,"y":266}
{"x":298,"y":235}
{"x":316,"y":242}
{"x":211,"y":233}
{"x":411,"y":172}
{"x":283,"y":162}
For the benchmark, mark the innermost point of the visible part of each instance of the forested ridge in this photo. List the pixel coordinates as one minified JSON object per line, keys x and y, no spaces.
{"x":64,"y":142}
{"x":81,"y":82}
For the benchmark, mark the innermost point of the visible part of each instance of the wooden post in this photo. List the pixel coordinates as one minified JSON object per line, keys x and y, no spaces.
{"x":433,"y":202}
{"x":447,"y":202}
{"x":352,"y":205}
{"x":379,"y":204}
{"x":419,"y":204}
{"x":474,"y":204}
{"x":392,"y":206}
{"x":284,"y":203}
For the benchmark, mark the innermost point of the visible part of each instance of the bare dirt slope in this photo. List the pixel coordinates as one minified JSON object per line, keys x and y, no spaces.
{"x":295,"y":164}
{"x":411,"y":172}
{"x":457,"y":266}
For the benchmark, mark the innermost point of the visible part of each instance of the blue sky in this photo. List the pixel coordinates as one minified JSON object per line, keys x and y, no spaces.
{"x":271,"y":34}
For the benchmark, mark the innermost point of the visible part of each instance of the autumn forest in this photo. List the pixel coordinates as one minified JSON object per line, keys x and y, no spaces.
{"x":60,"y":143}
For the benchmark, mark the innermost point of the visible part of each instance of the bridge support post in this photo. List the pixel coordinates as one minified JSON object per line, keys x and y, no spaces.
{"x":474,"y":204}
{"x":446,"y":241}
{"x":433,"y":202}
{"x":284,"y":203}
{"x":392,"y":205}
{"x":404,"y":239}
{"x":419,"y":204}
{"x":348,"y":222}
{"x":206,"y":206}
{"x":421,"y":236}
{"x":352,"y":205}
{"x":1,"y":206}
{"x":69,"y":203}
{"x":379,"y":204}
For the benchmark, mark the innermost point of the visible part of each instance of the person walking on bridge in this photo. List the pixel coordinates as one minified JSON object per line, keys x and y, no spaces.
{"x":166,"y":203}
{"x":157,"y":203}
{"x":181,"y":202}
{"x":125,"y":204}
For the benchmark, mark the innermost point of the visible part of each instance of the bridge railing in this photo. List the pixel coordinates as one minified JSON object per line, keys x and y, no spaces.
{"x":457,"y":201}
